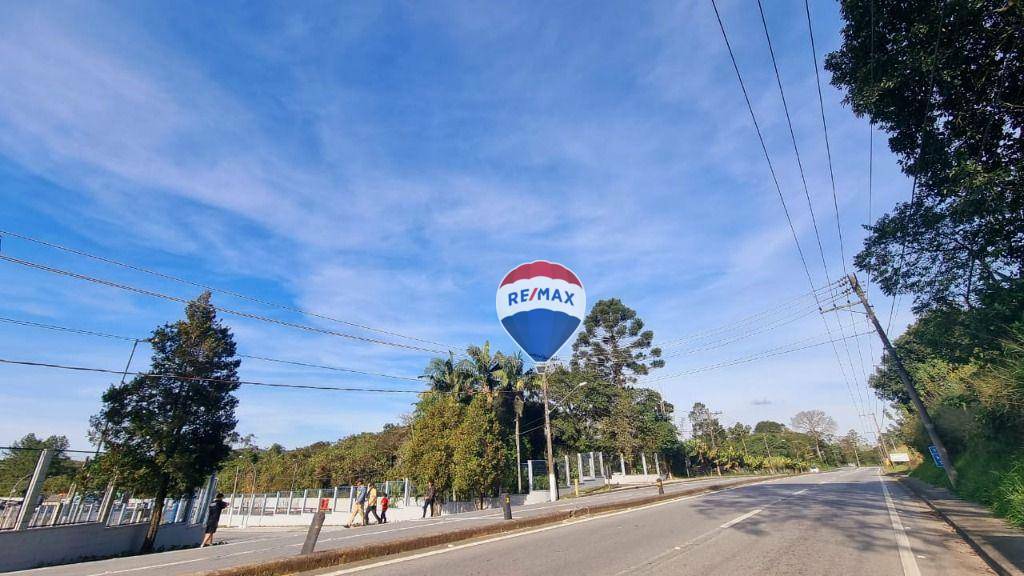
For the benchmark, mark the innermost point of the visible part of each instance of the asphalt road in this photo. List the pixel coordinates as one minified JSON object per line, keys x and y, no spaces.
{"x":836,"y":523}
{"x":236,"y":547}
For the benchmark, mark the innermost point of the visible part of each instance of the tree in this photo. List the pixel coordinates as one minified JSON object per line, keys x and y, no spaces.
{"x":483,"y":368}
{"x":429,"y":453}
{"x":815,"y":424}
{"x":946,"y":82}
{"x":706,"y":427}
{"x":449,"y":376}
{"x":769,"y":427}
{"x":481,"y":451}
{"x":852,"y":443}
{"x":615,"y":345}
{"x":168,"y":430}
{"x":18,"y":464}
{"x":519,"y":381}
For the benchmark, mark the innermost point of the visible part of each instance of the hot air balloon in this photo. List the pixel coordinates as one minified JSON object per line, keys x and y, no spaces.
{"x":541,"y":304}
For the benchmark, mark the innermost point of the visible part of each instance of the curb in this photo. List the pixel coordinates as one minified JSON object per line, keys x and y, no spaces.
{"x":340,"y":556}
{"x":993,"y":557}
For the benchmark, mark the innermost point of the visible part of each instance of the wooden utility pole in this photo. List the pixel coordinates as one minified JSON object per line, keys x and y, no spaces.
{"x":908,"y":384}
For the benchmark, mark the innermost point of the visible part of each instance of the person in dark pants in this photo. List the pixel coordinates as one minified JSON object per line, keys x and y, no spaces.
{"x":428,"y":499}
{"x":212,"y":519}
{"x":371,"y":505}
{"x":384,"y":501}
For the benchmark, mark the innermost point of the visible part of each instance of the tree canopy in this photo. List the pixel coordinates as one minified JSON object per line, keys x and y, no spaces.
{"x":614,"y":345}
{"x":167,"y":430}
{"x":946,"y":82}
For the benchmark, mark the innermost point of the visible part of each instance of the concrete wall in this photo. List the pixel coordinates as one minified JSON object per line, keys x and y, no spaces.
{"x":35,"y":547}
{"x":341,"y":514}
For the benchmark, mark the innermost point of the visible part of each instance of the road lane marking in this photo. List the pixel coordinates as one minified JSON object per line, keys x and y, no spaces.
{"x":563,"y":524}
{"x":739,"y":519}
{"x":799,"y":492}
{"x":902,"y":542}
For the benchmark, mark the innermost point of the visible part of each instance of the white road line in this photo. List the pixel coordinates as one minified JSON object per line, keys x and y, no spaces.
{"x":739,"y":519}
{"x":563,"y":524}
{"x":902,"y":542}
{"x":798,"y":492}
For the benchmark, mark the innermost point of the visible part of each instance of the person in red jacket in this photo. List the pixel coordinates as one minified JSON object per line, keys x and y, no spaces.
{"x":384,"y":501}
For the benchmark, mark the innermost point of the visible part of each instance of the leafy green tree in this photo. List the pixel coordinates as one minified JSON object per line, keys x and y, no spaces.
{"x":167,"y":431}
{"x":484,"y":368}
{"x":516,"y":379}
{"x":946,"y":82}
{"x":450,"y":376}
{"x":614,"y":344}
{"x":482,"y":454}
{"x":18,"y":464}
{"x":769,"y":427}
{"x":429,"y":453}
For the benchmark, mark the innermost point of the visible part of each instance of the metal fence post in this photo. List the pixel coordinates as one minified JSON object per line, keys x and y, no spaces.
{"x":529,"y":475}
{"x":406,"y":490}
{"x":579,"y":464}
{"x":35,"y":488}
{"x":643,"y":462}
{"x":600,"y":459}
{"x":334,"y":501}
{"x":592,"y":471}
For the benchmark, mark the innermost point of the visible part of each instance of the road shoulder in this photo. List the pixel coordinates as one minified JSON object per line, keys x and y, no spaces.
{"x":998,"y":543}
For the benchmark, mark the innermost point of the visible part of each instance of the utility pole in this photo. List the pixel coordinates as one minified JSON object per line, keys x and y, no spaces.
{"x":908,"y":384}
{"x":883,"y":449}
{"x":552,"y":487}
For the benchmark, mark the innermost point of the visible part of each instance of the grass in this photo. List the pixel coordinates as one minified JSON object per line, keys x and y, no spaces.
{"x":994,"y":478}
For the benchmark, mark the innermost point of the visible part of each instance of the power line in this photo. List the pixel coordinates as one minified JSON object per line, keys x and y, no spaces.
{"x":778,"y":351}
{"x":832,"y":179}
{"x":26,"y":449}
{"x":785,"y":305}
{"x":239,"y":313}
{"x":214,"y":380}
{"x":778,"y":188}
{"x":250,"y":356}
{"x":233,"y":293}
{"x":803,"y":180}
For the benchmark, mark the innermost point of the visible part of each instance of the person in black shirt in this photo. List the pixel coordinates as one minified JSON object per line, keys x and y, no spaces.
{"x":212,"y":519}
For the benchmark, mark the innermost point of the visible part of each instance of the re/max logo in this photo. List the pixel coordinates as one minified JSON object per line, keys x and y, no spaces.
{"x":526,"y":295}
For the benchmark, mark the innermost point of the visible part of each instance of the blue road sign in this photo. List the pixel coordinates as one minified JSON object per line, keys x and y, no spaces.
{"x":935,"y":456}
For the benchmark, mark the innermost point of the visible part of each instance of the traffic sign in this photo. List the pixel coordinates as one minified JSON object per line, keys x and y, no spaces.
{"x":935,"y":456}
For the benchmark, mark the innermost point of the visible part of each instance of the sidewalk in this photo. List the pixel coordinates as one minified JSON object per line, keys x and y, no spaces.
{"x":1000,"y":544}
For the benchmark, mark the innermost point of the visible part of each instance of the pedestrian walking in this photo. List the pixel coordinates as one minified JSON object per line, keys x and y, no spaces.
{"x":384,"y":501}
{"x":371,"y":504}
{"x":428,"y":499}
{"x":358,"y":508}
{"x":212,"y":519}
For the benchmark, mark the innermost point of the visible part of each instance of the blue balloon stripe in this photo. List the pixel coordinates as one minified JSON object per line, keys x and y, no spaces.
{"x":540,"y":332}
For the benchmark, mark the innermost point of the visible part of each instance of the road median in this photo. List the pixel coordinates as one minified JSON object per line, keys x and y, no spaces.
{"x":348,"y":555}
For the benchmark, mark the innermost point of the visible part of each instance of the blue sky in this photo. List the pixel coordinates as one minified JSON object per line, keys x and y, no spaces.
{"x":387,"y":163}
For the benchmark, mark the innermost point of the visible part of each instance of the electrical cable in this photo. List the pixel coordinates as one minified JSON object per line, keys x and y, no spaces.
{"x":214,"y":380}
{"x":233,"y":293}
{"x":233,"y":312}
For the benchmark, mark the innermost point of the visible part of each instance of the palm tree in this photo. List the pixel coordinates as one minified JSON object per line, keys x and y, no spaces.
{"x":449,"y":376}
{"x":484,"y":367}
{"x":516,"y":379}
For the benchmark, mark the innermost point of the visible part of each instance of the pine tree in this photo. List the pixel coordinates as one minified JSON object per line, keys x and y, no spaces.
{"x":168,"y":430}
